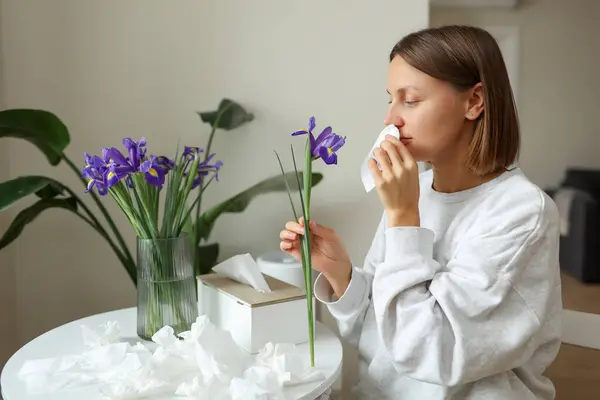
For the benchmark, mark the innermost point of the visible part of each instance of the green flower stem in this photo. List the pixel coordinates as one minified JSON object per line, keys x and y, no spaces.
{"x":184,"y":194}
{"x":287,"y":186}
{"x":143,"y":208}
{"x":307,"y":264}
{"x":305,"y":255}
{"x":104,"y":211}
{"x":166,"y":267}
{"x":162,"y":289}
{"x":181,"y":222}
{"x":199,"y":205}
{"x":123,"y":200}
{"x":305,"y":242}
{"x":306,"y":239}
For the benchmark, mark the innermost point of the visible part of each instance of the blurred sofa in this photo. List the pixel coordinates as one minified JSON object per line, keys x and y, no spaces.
{"x":578,"y":202}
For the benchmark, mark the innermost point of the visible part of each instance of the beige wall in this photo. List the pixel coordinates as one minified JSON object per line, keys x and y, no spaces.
{"x":143,"y":68}
{"x":8,"y":305}
{"x":559,"y":88}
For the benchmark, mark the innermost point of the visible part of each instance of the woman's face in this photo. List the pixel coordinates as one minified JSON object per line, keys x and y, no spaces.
{"x":430,"y":114}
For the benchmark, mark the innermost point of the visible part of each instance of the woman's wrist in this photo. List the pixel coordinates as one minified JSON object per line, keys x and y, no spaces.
{"x":403,"y":218}
{"x":339,"y":282}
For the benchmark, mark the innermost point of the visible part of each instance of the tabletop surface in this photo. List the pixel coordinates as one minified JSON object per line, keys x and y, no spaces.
{"x":67,"y":339}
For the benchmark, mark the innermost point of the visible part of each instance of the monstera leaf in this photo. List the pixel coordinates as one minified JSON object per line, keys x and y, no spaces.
{"x":29,"y":214}
{"x":230,"y":115}
{"x":47,"y":189}
{"x":15,"y":189}
{"x":41,"y":128}
{"x":240,"y":202}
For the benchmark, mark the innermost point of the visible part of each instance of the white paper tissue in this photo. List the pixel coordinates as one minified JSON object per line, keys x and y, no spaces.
{"x":365,"y":172}
{"x":107,"y":334}
{"x":244,"y":269}
{"x":203,"y":363}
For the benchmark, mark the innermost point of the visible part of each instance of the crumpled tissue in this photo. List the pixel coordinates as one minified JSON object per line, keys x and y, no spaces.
{"x":365,"y":172}
{"x":244,"y":269}
{"x":203,"y":363}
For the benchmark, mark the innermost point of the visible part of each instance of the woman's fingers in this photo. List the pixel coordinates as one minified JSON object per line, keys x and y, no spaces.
{"x":293,"y":230}
{"x":390,"y":148}
{"x":295,"y":227}
{"x":292,"y":247}
{"x":287,"y":245}
{"x":405,"y":155}
{"x":288,"y":235}
{"x":384,"y":161}
{"x":375,"y":171}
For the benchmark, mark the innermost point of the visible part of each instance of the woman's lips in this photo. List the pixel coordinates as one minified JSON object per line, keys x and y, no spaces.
{"x":405,"y":140}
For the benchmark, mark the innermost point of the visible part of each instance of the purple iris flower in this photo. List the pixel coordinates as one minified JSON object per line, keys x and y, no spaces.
{"x":106,"y":171}
{"x":204,"y":168}
{"x":191,"y":151}
{"x":113,"y":154}
{"x":120,"y":167}
{"x":95,"y":172}
{"x":94,"y":179}
{"x":136,"y":151}
{"x":189,"y":154}
{"x":94,"y":161}
{"x":329,"y":146}
{"x":311,"y":126}
{"x":153,"y":172}
{"x":325,"y":145}
{"x":117,"y":172}
{"x":117,"y":164}
{"x":164,"y":163}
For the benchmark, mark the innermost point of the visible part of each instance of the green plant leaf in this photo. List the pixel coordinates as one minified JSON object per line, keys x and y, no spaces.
{"x":15,"y":189}
{"x":41,"y":128}
{"x":27,"y":216}
{"x":240,"y":202}
{"x":51,"y":190}
{"x":233,"y":115}
{"x":207,"y":258}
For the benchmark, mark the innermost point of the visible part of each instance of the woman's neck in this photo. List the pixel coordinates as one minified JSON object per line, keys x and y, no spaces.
{"x":456,"y":178}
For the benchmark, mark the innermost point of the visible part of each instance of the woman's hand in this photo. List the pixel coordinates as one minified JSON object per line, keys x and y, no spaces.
{"x":397,"y":183}
{"x":328,"y":254}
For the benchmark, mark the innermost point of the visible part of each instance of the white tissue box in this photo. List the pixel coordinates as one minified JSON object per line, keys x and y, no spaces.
{"x":254,"y":318}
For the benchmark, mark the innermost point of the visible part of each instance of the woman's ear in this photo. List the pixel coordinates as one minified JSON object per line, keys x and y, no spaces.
{"x":476,"y":102}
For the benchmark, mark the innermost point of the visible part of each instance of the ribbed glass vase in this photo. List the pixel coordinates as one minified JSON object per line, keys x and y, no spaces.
{"x":166,"y":290}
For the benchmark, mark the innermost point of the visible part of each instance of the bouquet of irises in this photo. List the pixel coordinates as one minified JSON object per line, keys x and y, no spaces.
{"x":166,"y":280}
{"x":324,"y":147}
{"x":135,"y":181}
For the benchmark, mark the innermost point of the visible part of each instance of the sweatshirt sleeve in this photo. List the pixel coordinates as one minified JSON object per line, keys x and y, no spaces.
{"x":456,"y":323}
{"x":350,"y":309}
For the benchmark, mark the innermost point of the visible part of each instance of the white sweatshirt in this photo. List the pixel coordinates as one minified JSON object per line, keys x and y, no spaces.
{"x":467,"y":306}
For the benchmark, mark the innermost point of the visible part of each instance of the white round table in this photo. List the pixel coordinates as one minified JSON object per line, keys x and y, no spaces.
{"x":67,"y":339}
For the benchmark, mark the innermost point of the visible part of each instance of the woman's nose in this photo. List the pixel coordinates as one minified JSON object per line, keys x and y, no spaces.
{"x":392,"y":119}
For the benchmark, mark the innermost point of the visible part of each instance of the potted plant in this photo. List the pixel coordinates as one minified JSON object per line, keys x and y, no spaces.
{"x":50,"y":135}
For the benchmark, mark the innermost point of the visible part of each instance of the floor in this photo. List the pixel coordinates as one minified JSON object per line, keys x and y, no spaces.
{"x":579,"y":296}
{"x":576,"y":371}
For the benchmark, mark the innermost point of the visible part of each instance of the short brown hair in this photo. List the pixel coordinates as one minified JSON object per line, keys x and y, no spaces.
{"x":465,"y":56}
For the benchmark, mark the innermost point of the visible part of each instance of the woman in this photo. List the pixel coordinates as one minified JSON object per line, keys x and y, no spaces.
{"x":459,"y":294}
